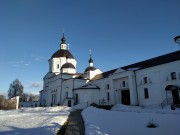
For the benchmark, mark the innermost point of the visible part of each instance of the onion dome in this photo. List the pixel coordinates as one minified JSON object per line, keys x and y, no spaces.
{"x":89,"y":69}
{"x":62,"y":53}
{"x":63,"y":39}
{"x":68,"y":65}
{"x":68,"y":57}
{"x":90,"y":60}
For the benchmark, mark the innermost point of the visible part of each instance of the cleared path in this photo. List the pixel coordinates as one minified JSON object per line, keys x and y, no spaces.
{"x":75,"y":124}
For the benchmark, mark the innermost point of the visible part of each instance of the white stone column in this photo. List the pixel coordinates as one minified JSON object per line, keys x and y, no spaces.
{"x":17,"y":102}
{"x":112,"y":93}
{"x":132,"y":89}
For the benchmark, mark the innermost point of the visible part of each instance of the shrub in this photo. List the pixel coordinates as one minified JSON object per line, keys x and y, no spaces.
{"x":152,"y":124}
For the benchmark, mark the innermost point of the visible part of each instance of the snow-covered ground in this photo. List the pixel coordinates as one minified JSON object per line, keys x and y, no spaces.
{"x":127,"y":120}
{"x":121,"y":120}
{"x":33,"y":121}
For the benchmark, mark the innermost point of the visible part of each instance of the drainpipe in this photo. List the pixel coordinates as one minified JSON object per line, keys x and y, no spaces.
{"x":136,"y":88}
{"x":73,"y":91}
{"x":61,"y":89}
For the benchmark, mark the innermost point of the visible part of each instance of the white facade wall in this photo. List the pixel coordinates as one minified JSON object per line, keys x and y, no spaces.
{"x":102,"y":84}
{"x":59,"y":84}
{"x":55,"y":64}
{"x":68,"y":70}
{"x":67,"y":89}
{"x":92,"y":74}
{"x":88,"y":96}
{"x":117,"y":86}
{"x":158,"y":79}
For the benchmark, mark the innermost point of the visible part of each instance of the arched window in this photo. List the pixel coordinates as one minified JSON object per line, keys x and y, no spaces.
{"x":66,"y":94}
{"x":173,"y":76}
{"x":76,"y":98}
{"x":123,"y":84}
{"x":146,"y":93}
{"x":57,"y":66}
{"x":108,"y":97}
{"x":145,"y":80}
{"x":107,"y":86}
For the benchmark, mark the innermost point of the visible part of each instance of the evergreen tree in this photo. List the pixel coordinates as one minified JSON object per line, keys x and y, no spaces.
{"x":15,"y":89}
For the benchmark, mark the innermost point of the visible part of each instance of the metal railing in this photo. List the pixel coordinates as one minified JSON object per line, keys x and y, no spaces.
{"x":166,"y":102}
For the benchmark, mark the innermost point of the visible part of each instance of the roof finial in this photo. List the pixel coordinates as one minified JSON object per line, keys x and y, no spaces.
{"x":90,"y":60}
{"x":90,"y":51}
{"x":63,"y":39}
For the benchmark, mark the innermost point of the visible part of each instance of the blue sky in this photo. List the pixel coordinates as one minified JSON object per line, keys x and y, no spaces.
{"x":119,"y":32}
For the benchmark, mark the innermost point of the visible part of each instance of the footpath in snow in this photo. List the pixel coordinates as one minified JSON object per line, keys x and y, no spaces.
{"x":127,"y":120}
{"x":33,"y":121}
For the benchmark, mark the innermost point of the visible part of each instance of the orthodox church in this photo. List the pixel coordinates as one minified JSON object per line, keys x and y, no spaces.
{"x":151,"y":82}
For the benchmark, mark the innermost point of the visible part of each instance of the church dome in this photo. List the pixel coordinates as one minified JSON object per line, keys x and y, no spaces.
{"x":89,"y":69}
{"x":68,"y":65}
{"x":90,"y":60}
{"x":62,"y":53}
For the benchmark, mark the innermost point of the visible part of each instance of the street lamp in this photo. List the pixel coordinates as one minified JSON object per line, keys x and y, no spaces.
{"x":177,"y":39}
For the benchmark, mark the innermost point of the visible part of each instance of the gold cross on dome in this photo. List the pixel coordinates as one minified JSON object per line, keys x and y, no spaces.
{"x":90,"y":51}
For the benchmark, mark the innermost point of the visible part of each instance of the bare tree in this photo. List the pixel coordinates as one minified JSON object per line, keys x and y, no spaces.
{"x":33,"y":97}
{"x":2,"y":97}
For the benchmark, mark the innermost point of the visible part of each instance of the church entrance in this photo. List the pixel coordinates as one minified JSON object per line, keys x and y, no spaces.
{"x":125,"y":97}
{"x":175,"y":95}
{"x":69,"y":103}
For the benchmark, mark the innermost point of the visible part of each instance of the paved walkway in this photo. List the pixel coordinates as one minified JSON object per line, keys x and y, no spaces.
{"x":75,"y":124}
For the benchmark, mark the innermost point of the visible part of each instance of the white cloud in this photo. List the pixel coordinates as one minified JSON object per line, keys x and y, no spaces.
{"x":36,"y":85}
{"x":27,"y":64}
{"x":18,"y":63}
{"x":39,"y":58}
{"x":35,"y":93}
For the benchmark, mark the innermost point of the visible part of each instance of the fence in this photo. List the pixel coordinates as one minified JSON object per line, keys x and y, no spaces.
{"x":30,"y":104}
{"x":8,"y":104}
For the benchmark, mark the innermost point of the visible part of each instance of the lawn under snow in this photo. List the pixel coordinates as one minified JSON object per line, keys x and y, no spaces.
{"x":127,"y":120}
{"x":33,"y":121}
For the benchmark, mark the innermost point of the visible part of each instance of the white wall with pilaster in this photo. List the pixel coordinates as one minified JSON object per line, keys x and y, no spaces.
{"x":102,"y":84}
{"x":158,"y":79}
{"x":88,"y":96}
{"x":130,"y":84}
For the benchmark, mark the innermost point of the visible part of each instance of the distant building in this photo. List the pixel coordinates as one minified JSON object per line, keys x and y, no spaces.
{"x":151,"y":82}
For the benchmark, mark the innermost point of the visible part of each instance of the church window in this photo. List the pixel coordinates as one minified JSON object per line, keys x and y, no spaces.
{"x":76,"y":98}
{"x":145,"y":80}
{"x":108,"y":96}
{"x":146,"y":93}
{"x":123,"y":84}
{"x":57,"y":66}
{"x":52,"y":98}
{"x":173,"y":75}
{"x":107,"y":86}
{"x":66,"y":94}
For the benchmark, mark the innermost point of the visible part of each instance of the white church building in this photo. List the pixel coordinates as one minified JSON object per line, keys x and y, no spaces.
{"x":154,"y":81}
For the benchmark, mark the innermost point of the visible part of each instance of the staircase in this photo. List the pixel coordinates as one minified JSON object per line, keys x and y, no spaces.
{"x":166,"y":102}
